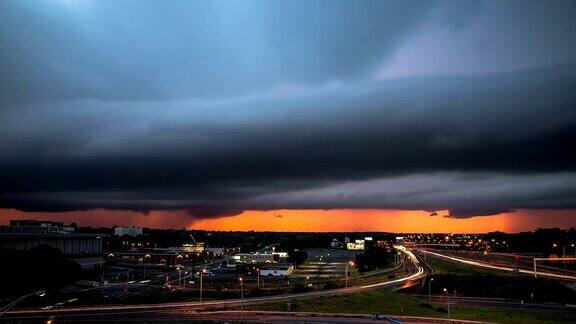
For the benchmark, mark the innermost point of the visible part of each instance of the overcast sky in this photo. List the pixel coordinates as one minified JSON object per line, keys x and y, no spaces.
{"x":222,"y":106}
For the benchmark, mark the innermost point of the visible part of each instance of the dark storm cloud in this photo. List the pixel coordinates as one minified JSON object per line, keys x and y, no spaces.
{"x":145,"y":50}
{"x":258,"y":153}
{"x":223,"y":108}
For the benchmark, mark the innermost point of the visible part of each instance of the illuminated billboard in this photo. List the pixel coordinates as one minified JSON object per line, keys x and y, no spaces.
{"x":356,"y":246}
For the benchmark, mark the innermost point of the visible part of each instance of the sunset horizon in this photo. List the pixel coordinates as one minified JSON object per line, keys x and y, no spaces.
{"x":343,"y":220}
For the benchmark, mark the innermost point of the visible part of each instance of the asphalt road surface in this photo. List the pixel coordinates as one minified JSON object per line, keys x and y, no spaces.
{"x":419,"y":272}
{"x":237,"y":316}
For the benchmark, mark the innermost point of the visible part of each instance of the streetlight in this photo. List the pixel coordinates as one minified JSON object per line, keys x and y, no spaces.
{"x":348,"y":263}
{"x":6,"y":308}
{"x":127,"y":281}
{"x":241,"y":297}
{"x":447,"y":301}
{"x":147,"y":256}
{"x":258,"y":273}
{"x":201,"y":276}
{"x":564,"y":249}
{"x":429,"y":290}
{"x":179,"y":268}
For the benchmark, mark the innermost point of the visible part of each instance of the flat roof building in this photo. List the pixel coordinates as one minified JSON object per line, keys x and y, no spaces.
{"x":130,"y":231}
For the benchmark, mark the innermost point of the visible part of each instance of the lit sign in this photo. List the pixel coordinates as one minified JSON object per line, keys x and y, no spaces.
{"x":357,"y":245}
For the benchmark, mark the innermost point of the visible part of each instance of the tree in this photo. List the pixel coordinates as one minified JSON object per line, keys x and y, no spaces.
{"x":373,"y":258}
{"x":297,"y":257}
{"x":43,"y":267}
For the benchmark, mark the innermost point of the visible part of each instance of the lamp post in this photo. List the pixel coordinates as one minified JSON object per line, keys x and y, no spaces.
{"x":564,"y":249}
{"x":6,"y":308}
{"x":429,"y":290}
{"x":147,"y":256}
{"x":241,"y":297}
{"x":179,"y":268}
{"x":258,"y":274}
{"x":348,"y":263}
{"x":127,"y":280}
{"x":447,"y":301}
{"x":554,"y":246}
{"x":201,"y":276}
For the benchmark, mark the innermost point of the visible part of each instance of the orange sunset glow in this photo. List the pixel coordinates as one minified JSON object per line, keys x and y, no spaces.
{"x":398,"y":221}
{"x":337,"y":220}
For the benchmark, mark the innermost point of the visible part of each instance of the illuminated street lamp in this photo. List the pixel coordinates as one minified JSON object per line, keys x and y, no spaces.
{"x":147,"y":256}
{"x":179,"y":268}
{"x":258,"y":274}
{"x":348,"y":263}
{"x":6,"y":308}
{"x":564,"y":249}
{"x":201,"y":276}
{"x":241,"y":297}
{"x":507,"y":246}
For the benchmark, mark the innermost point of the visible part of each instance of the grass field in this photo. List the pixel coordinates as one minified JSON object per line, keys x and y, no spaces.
{"x":393,"y":303}
{"x":453,"y":268}
{"x":475,"y":282}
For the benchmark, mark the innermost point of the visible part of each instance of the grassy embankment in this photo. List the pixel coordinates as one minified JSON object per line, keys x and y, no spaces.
{"x":477,"y":282}
{"x":393,"y":303}
{"x":454,"y":277}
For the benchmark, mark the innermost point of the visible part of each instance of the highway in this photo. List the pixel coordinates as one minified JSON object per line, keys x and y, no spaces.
{"x":485,"y":302}
{"x":249,"y":316}
{"x":499,"y":267}
{"x":418,"y":273}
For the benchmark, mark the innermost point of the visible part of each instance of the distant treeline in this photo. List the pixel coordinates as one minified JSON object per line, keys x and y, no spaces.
{"x":42,"y":267}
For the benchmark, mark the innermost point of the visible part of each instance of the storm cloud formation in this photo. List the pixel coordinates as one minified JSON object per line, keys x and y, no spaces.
{"x":220,"y":107}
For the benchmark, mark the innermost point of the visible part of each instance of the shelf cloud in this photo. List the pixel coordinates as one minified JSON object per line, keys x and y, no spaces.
{"x":216,"y":107}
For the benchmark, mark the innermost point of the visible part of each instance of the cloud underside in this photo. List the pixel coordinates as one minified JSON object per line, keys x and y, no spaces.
{"x":215,"y":107}
{"x":423,"y":143}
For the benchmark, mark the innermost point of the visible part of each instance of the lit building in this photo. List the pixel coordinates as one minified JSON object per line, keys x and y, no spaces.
{"x":276,"y":270}
{"x":86,"y":249}
{"x":196,"y":247}
{"x":76,"y":244}
{"x":130,"y":231}
{"x":36,"y":226}
{"x":256,"y":258}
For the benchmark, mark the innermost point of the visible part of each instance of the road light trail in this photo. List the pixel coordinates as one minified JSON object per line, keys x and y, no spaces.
{"x":419,"y":273}
{"x":501,"y":268}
